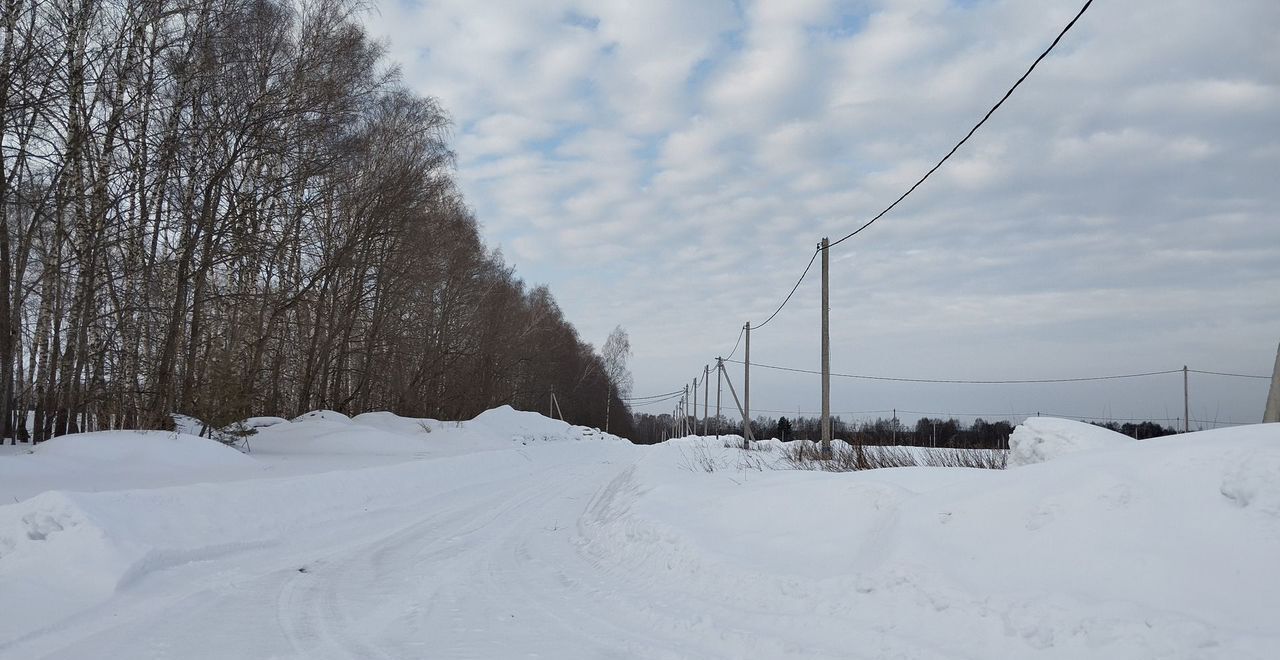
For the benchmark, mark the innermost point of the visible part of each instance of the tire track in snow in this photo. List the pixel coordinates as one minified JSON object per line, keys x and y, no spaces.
{"x":327,"y":612}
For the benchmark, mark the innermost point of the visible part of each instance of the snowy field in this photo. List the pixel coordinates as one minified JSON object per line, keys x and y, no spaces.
{"x":515,"y":536}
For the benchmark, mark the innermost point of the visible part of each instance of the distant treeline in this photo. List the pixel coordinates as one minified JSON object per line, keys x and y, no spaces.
{"x":233,"y":207}
{"x":1140,"y":431}
{"x":926,"y":432}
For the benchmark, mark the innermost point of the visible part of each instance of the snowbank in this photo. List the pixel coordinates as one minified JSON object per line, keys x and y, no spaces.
{"x":108,"y":460}
{"x":1163,"y":548}
{"x":262,"y":422}
{"x":1041,"y":439}
{"x":524,"y":426}
{"x":326,"y":415}
{"x":323,"y":440}
{"x":160,"y":449}
{"x":394,"y":423}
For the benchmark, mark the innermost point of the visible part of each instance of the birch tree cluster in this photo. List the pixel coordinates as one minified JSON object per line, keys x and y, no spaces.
{"x":233,"y":207}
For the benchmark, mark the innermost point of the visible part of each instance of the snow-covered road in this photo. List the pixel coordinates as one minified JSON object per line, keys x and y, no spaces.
{"x":482,"y":564}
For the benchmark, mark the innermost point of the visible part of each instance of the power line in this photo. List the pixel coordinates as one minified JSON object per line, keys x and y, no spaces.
{"x":1217,"y":422}
{"x":736,"y":343}
{"x":1222,"y":373}
{"x":954,"y":381}
{"x":1046,"y":414}
{"x":793,"y":292}
{"x":817,"y":412}
{"x":649,"y":403}
{"x":972,"y":130}
{"x":994,"y":415}
{"x":786,"y":300}
{"x":651,"y":396}
{"x":917,"y":184}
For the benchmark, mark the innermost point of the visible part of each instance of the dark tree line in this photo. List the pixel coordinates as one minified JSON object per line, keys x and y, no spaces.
{"x":651,"y":429}
{"x":926,"y":432}
{"x":233,"y":207}
{"x":1139,"y":431}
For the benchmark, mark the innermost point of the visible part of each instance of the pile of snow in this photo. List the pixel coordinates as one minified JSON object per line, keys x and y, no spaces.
{"x":324,"y":439}
{"x":523,"y":426}
{"x":262,"y":422}
{"x":1041,"y":439}
{"x":161,"y":449}
{"x":1162,"y":548}
{"x":377,"y":436}
{"x":386,"y":421}
{"x":107,"y":460}
{"x":319,"y":435}
{"x":326,"y":415}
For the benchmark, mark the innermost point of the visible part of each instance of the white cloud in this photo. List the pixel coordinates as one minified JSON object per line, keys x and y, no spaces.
{"x":669,"y":166}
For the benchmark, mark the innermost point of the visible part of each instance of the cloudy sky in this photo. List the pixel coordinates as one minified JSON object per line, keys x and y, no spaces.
{"x":669,"y":165}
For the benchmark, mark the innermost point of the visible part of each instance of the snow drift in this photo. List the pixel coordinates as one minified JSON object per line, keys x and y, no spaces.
{"x":1159,"y":548}
{"x":532,"y":540}
{"x":107,"y":460}
{"x":1041,"y":439}
{"x":159,"y":449}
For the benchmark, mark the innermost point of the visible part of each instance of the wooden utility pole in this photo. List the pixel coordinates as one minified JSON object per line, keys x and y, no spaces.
{"x":826,"y":350}
{"x":1186,"y":401}
{"x":746,"y":391}
{"x":1272,"y":412}
{"x":719,"y":380}
{"x":706,"y":393}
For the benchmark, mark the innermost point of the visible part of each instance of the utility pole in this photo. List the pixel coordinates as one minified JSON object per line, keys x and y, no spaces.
{"x":1186,"y":401}
{"x":1272,"y":412}
{"x":684,"y":411}
{"x":719,"y":380}
{"x":695,"y":406}
{"x":551,"y":404}
{"x":746,"y":391}
{"x":706,"y":394}
{"x":826,"y":350}
{"x":608,"y":395}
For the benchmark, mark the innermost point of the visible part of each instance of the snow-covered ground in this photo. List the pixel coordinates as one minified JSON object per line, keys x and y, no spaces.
{"x":515,"y":536}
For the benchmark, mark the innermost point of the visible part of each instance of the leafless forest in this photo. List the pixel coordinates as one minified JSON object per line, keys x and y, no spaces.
{"x":233,"y":207}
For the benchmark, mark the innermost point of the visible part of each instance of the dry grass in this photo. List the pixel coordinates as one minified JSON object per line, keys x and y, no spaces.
{"x":702,"y":457}
{"x":807,"y":455}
